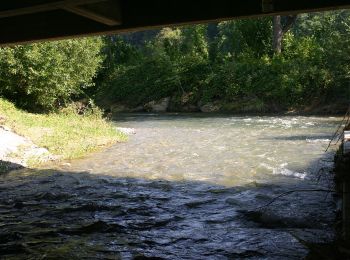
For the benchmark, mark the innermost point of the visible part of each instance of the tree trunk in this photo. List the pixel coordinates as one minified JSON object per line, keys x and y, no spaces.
{"x":277,"y":34}
{"x":279,"y":30}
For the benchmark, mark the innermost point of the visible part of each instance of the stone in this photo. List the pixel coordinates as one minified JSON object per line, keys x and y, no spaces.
{"x":18,"y":150}
{"x":209,"y":108}
{"x":137,"y":109}
{"x":118,"y":108}
{"x":5,"y":128}
{"x":190,"y":108}
{"x":158,"y":106}
{"x":186,"y":97}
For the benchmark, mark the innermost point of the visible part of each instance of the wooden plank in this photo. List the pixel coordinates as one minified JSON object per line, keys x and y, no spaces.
{"x":45,"y":7}
{"x":107,"y":12}
{"x":142,"y":15}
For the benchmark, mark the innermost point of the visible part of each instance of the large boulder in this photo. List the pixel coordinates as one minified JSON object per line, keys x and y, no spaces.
{"x":137,"y":109}
{"x":190,"y":108}
{"x":118,"y":108}
{"x":184,"y":103}
{"x":158,"y":106}
{"x":16,"y":150}
{"x":210,"y":108}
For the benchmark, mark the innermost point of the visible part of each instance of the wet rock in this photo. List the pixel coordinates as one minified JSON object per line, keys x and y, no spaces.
{"x":118,"y":108}
{"x":137,"y":109}
{"x":210,"y":108}
{"x":190,"y":108}
{"x":158,"y":106}
{"x":183,"y":103}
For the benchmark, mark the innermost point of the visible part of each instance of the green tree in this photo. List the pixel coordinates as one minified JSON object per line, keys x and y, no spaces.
{"x":45,"y":76}
{"x":247,"y":36}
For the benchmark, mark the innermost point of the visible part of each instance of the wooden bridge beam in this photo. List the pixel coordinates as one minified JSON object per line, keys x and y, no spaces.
{"x":34,"y":20}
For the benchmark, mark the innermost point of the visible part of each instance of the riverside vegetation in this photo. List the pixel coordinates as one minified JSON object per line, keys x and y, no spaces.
{"x":258,"y":65}
{"x":43,"y":79}
{"x":65,"y":134}
{"x":159,"y":196}
{"x":254,"y":65}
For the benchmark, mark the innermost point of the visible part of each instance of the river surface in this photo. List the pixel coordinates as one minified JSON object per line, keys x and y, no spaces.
{"x":182,"y":187}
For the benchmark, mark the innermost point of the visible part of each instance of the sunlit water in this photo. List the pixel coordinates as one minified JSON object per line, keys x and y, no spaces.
{"x":182,"y":187}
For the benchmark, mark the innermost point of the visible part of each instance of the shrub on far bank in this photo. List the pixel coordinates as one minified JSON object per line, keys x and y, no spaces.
{"x":234,"y":64}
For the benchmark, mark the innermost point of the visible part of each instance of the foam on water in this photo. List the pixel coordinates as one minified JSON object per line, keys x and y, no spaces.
{"x":221,"y":150}
{"x":283,"y":170}
{"x":317,"y":140}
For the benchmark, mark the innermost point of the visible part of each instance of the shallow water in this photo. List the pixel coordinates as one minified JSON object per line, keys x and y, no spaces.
{"x":182,"y":187}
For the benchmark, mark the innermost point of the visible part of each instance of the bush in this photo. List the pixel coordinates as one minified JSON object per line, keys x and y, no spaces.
{"x":149,"y":79}
{"x":44,"y":76}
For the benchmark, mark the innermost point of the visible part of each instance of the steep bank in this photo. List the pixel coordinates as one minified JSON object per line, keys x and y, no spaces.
{"x":184,"y":104}
{"x":28,"y":139}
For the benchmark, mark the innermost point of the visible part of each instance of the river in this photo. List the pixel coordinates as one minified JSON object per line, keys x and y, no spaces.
{"x":182,"y":187}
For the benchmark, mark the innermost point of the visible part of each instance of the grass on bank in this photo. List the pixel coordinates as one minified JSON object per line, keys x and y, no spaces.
{"x":65,"y":134}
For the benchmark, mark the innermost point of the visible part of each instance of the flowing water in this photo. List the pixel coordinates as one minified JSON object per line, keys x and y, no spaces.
{"x":182,"y":187}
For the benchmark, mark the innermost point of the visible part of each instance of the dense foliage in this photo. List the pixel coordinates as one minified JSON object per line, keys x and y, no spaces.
{"x":233,"y":63}
{"x":45,"y":76}
{"x":230,"y":63}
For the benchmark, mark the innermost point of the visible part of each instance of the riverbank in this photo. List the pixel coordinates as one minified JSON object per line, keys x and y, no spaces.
{"x":28,"y":139}
{"x":182,"y":187}
{"x":251,"y":107}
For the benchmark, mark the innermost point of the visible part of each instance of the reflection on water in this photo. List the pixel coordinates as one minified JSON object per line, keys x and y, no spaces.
{"x":183,"y":187}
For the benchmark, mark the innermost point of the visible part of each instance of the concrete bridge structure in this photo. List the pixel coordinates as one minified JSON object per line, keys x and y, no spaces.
{"x":24,"y":21}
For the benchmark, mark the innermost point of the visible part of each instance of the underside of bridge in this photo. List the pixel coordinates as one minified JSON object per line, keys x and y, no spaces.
{"x":33,"y":20}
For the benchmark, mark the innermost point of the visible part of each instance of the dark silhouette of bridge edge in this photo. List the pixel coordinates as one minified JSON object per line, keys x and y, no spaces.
{"x":36,"y":20}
